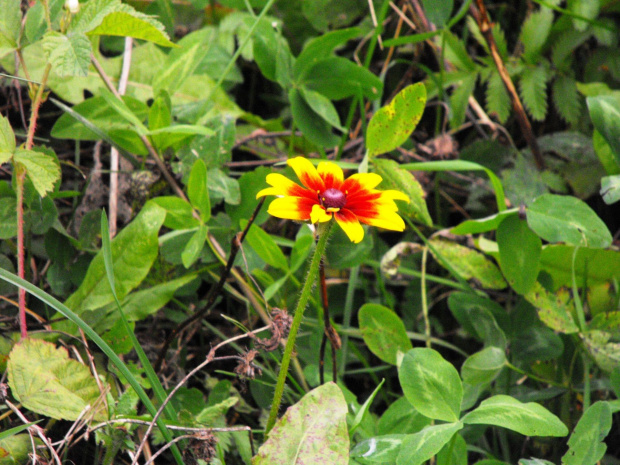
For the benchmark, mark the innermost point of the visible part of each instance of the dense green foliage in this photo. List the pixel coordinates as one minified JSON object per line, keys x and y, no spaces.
{"x":145,"y":287}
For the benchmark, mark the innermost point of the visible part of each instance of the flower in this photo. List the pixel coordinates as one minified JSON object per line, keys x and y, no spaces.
{"x":326,"y":194}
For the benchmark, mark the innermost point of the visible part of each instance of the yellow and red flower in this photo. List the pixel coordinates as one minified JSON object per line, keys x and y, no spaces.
{"x":326,"y":194}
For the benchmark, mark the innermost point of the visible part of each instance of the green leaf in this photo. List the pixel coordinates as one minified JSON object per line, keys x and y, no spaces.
{"x":610,"y":189}
{"x":438,"y":12}
{"x":320,"y":47}
{"x":566,"y":99}
{"x":322,"y":106}
{"x":481,"y":225}
{"x":431,"y":384}
{"x":454,"y":452}
{"x":497,"y":98}
{"x":605,"y":154}
{"x":69,"y":55}
{"x":401,"y":417}
{"x":42,"y":169}
{"x":554,"y":310}
{"x":395,"y":177}
{"x":588,"y":9}
{"x":8,"y":218}
{"x":160,"y":116}
{"x":314,"y":127}
{"x":606,"y":354}
{"x":265,"y":247}
{"x":534,"y":34}
{"x":222,"y":186}
{"x":7,"y":140}
{"x":484,"y":366}
{"x":533,"y":90}
{"x":468,"y":263}
{"x":529,"y":419}
{"x":566,"y":219}
{"x":119,"y":106}
{"x":250,"y":184}
{"x":194,"y":246}
{"x":384,"y":332}
{"x":378,"y":449}
{"x":343,"y":254}
{"x":272,"y":54}
{"x":46,"y":381}
{"x":10,"y":26}
{"x":391,"y":126}
{"x":418,"y":448}
{"x":337,"y":78}
{"x":478,"y":316}
{"x":605,"y":116}
{"x":459,"y":100}
{"x":456,"y":53}
{"x":519,"y":253}
{"x":586,"y":446}
{"x":197,"y":190}
{"x":134,"y":250}
{"x":363,"y":410}
{"x":312,"y":431}
{"x":17,"y":449}
{"x":178,"y":212}
{"x":209,"y":415}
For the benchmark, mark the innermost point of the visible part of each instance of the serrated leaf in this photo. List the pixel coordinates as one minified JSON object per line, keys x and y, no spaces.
{"x":7,"y":140}
{"x":383,"y":332}
{"x":588,"y":9}
{"x":42,"y":169}
{"x":533,"y":90}
{"x":534,"y":34}
{"x":566,"y":99}
{"x":391,"y":126}
{"x":400,"y":179}
{"x":438,"y":11}
{"x":69,"y":55}
{"x":45,"y":380}
{"x":459,"y":100}
{"x":312,"y":431}
{"x":456,"y":53}
{"x":209,"y":415}
{"x":497,"y":98}
{"x":529,"y":419}
{"x":431,"y":384}
{"x":132,"y":24}
{"x":586,"y":446}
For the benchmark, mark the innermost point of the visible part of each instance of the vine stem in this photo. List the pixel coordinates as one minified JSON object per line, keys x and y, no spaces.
{"x":20,"y":172}
{"x":304,"y":296}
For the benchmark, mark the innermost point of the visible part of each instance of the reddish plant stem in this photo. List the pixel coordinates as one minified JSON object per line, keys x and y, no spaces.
{"x":20,"y":176}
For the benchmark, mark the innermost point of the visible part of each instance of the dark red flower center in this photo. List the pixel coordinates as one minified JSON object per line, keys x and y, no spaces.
{"x":333,"y":198}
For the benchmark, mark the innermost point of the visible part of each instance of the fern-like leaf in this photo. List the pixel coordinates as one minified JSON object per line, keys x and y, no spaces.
{"x":585,"y":8}
{"x":460,"y":99}
{"x":533,"y":90}
{"x":498,"y":35}
{"x":534,"y":34}
{"x":497,"y":98}
{"x":566,"y":99}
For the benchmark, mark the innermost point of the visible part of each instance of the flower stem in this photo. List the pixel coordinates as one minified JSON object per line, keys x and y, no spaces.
{"x":323,"y":232}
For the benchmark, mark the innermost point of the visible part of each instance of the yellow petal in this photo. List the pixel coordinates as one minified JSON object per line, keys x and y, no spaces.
{"x":291,"y":208}
{"x":350,"y":225}
{"x":395,"y":195}
{"x":307,"y":173}
{"x":365,"y":181}
{"x":318,"y":214}
{"x":386,"y":220}
{"x":281,"y":185}
{"x":331,"y":174}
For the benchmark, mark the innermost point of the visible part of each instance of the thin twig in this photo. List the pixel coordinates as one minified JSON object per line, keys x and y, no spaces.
{"x":486,"y":28}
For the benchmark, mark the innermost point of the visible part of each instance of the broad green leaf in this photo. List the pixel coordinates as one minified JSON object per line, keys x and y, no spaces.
{"x":519,"y":253}
{"x":178,"y":212}
{"x":379,"y":449}
{"x":481,"y":225}
{"x":530,"y":419}
{"x":134,"y":250}
{"x":10,"y":26}
{"x":265,"y":247}
{"x":160,"y":116}
{"x":272,"y":54}
{"x":588,"y":9}
{"x":586,"y":446}
{"x":320,"y":47}
{"x":605,"y":116}
{"x":484,"y":366}
{"x":605,"y":352}
{"x":395,"y":177}
{"x":567,"y":219}
{"x":384,"y":332}
{"x":42,"y":169}
{"x":182,"y":62}
{"x":438,"y":12}
{"x":363,"y":410}
{"x":221,"y":186}
{"x":314,"y":127}
{"x":468,"y":263}
{"x":554,"y":310}
{"x":610,"y":189}
{"x":197,"y":190}
{"x":69,"y":55}
{"x":536,"y":343}
{"x":431,"y":384}
{"x":337,"y":78}
{"x":343,"y":254}
{"x":418,"y":448}
{"x":391,"y":126}
{"x":194,"y":246}
{"x":322,"y":106}
{"x":479,"y":316}
{"x":132,"y":24}
{"x":45,"y":380}
{"x":250,"y":184}
{"x":7,"y":140}
{"x":401,"y":417}
{"x":312,"y":431}
{"x":8,"y":218}
{"x":454,"y":452}
{"x":16,"y":449}
{"x":119,"y":106}
{"x":605,"y":154}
